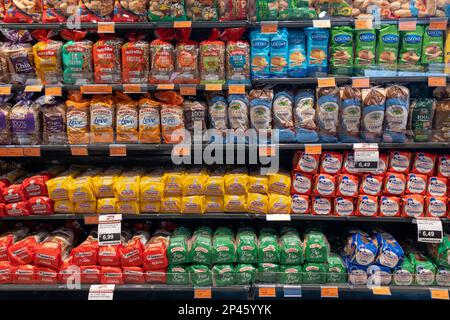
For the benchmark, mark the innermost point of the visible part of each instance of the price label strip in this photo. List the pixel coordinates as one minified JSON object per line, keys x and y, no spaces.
{"x":366,"y":156}
{"x":269,"y":27}
{"x":99,"y":292}
{"x":440,"y":294}
{"x":79,"y":150}
{"x":5,"y":89}
{"x":109,"y":229}
{"x":382,"y":291}
{"x":32,"y":151}
{"x":429,"y":230}
{"x":291,"y":291}
{"x":267,"y":292}
{"x":202,"y":293}
{"x":313,"y":148}
{"x":329,"y":292}
{"x":278,"y":217}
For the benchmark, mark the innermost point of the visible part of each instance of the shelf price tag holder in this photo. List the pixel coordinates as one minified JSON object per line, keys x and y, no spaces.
{"x":381,"y":291}
{"x":91,"y":219}
{"x":429,"y":230}
{"x":366,"y":156}
{"x":188,"y":90}
{"x":325,"y":23}
{"x":33,"y":87}
{"x":329,"y":292}
{"x":213,"y":87}
{"x":326,"y":82}
{"x":5,"y":89}
{"x":313,"y":148}
{"x":109,"y":229}
{"x":437,"y":81}
{"x":182,"y":24}
{"x":99,"y":292}
{"x":267,"y":292}
{"x":106,"y":27}
{"x":440,"y":294}
{"x":438,"y":24}
{"x":96,"y":89}
{"x":292,"y":291}
{"x":134,"y":88}
{"x":11,"y":151}
{"x":32,"y":151}
{"x":360,"y":82}
{"x":165,"y":86}
{"x":117,"y":150}
{"x":407,"y":24}
{"x":278,"y":217}
{"x":363,"y":23}
{"x":236,"y":89}
{"x":54,"y":91}
{"x":79,"y":150}
{"x":269,"y":27}
{"x":202,"y":293}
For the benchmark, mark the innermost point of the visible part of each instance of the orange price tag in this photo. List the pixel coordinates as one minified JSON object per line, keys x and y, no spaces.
{"x":236,"y":89}
{"x":269,"y":27}
{"x":267,"y":292}
{"x":188,"y":90}
{"x":438,"y":24}
{"x":14,"y":152}
{"x":322,"y":23}
{"x":182,"y":24}
{"x":213,"y":87}
{"x":267,"y":151}
{"x":4,"y":90}
{"x":407,"y":25}
{"x":360,"y":82}
{"x":363,"y":24}
{"x":106,"y":27}
{"x":53,"y":91}
{"x":96,"y":89}
{"x":132,"y":88}
{"x":202,"y":293}
{"x":313,"y":148}
{"x":90,"y":219}
{"x":383,"y":291}
{"x":117,"y":150}
{"x":79,"y":150}
{"x":326,"y":82}
{"x":32,"y":151}
{"x":329,"y":292}
{"x":165,"y":86}
{"x":181,"y":151}
{"x":441,"y":294}
{"x":437,"y":81}
{"x":33,"y":88}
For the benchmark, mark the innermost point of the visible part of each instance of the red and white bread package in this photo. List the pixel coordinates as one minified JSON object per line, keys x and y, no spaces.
{"x":331,"y":163}
{"x":347,"y":185}
{"x":416,"y":184}
{"x":40,"y":205}
{"x":306,"y":163}
{"x":17,"y":209}
{"x":437,"y":187}
{"x":321,"y":206}
{"x":423,"y":163}
{"x":10,"y":237}
{"x":131,"y":253}
{"x":300,"y":204}
{"x":383,"y":163}
{"x":155,"y":257}
{"x":90,"y":274}
{"x":390,"y":206}
{"x":348,"y":164}
{"x":69,"y":272}
{"x":443,"y":166}
{"x":86,"y":253}
{"x":155,"y":276}
{"x":46,"y":275}
{"x":371,"y":185}
{"x":109,"y":256}
{"x":133,"y":275}
{"x":399,"y":162}
{"x":436,"y":207}
{"x":394,"y":184}
{"x":22,"y":252}
{"x":344,"y":207}
{"x":111,"y":275}
{"x":55,"y":248}
{"x":24,"y":274}
{"x":324,"y":185}
{"x":13,"y":193}
{"x":301,"y":183}
{"x":367,"y":206}
{"x":413,"y":206}
{"x":35,"y":186}
{"x":5,"y":272}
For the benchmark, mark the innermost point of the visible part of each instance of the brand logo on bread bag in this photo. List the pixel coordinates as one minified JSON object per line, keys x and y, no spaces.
{"x":413,"y":38}
{"x":342,"y":38}
{"x":260,"y":44}
{"x":367,"y":37}
{"x":277,"y":44}
{"x":435,"y":33}
{"x":390,"y":38}
{"x":319,"y":36}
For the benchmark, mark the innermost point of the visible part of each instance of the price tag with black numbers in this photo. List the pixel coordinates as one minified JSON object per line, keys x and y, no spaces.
{"x":109,"y":229}
{"x":429,"y":230}
{"x":366,"y":156}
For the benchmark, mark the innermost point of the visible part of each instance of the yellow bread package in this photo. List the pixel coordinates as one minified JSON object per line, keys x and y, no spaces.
{"x":104,"y":182}
{"x":236,"y":183}
{"x":214,"y":204}
{"x":102,"y":118}
{"x":127,"y":207}
{"x":126,"y":186}
{"x":280,"y":183}
{"x":258,"y":184}
{"x":58,"y":187}
{"x":233,"y":203}
{"x":149,"y":121}
{"x":193,"y":204}
{"x":215,"y":183}
{"x":257,"y":203}
{"x":47,"y":58}
{"x":173,"y":182}
{"x":279,"y":204}
{"x":194,"y":182}
{"x":171,"y":204}
{"x":87,"y":207}
{"x":64,"y":206}
{"x":126,"y":118}
{"x":447,"y":52}
{"x":81,"y":188}
{"x":106,"y":206}
{"x":150,"y":207}
{"x":77,"y":118}
{"x":151,"y":187}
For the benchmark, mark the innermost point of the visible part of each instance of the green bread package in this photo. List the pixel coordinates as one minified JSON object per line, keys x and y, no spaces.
{"x":177,"y":275}
{"x":200,"y":275}
{"x":246,"y":246}
{"x":245,"y":274}
{"x":290,"y":274}
{"x":201,"y":246}
{"x":424,"y":269}
{"x":267,"y":273}
{"x":411,"y":46}
{"x":268,"y":249}
{"x":223,"y":275}
{"x":440,"y":252}
{"x":421,"y":115}
{"x":388,"y":44}
{"x":314,"y":273}
{"x":365,"y":46}
{"x":403,"y":275}
{"x":224,"y":249}
{"x":433,"y":46}
{"x":316,"y":247}
{"x":341,"y":50}
{"x":291,"y":248}
{"x":336,"y":270}
{"x":179,"y":246}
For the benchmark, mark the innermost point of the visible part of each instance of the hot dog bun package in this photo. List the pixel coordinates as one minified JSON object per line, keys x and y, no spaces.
{"x":300,"y":204}
{"x":306,"y":163}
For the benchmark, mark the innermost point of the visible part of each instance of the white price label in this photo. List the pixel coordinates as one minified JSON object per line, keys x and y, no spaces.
{"x":366,"y":156}
{"x":278,"y":217}
{"x":101,"y":292}
{"x":109,"y":229}
{"x":429,"y":230}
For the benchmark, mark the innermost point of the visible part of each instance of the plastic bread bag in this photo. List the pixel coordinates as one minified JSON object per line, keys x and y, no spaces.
{"x":260,"y":51}
{"x":173,"y":182}
{"x":47,"y":57}
{"x":16,"y":56}
{"x":261,"y":111}
{"x":23,"y":11}
{"x":433,"y":46}
{"x":77,"y":59}
{"x":317,"y":51}
{"x":388,"y":44}
{"x":411,"y":46}
{"x":162,"y":57}
{"x":54,"y":120}
{"x":279,"y":53}
{"x":166,"y":10}
{"x":103,"y":183}
{"x":233,"y":10}
{"x":369,"y":8}
{"x":396,"y":114}
{"x":77,"y":116}
{"x":187,"y":62}
{"x":295,"y":10}
{"x":126,"y":119}
{"x":25,"y":120}
{"x":297,"y":66}
{"x":58,"y":11}
{"x":238,"y":61}
{"x":151,"y":187}
{"x":238,"y":115}
{"x":130,"y":10}
{"x":135,"y":60}
{"x":217,"y":111}
{"x":373,"y":108}
{"x":327,"y":113}
{"x":212,"y":61}
{"x":202,"y":10}
{"x":283,"y":119}
{"x":442,"y":121}
{"x":350,"y":114}
{"x":5,"y":123}
{"x":195,"y":118}
{"x":102,"y":119}
{"x":341,"y":54}
{"x":96,"y":10}
{"x":172,"y":119}
{"x":107,"y":60}
{"x":149,"y":121}
{"x":365,"y":49}
{"x":360,"y":248}
{"x":421,"y":116}
{"x":266,"y":10}
{"x":304,"y":116}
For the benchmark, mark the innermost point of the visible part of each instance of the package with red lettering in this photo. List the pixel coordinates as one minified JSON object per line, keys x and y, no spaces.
{"x":348,"y":164}
{"x":443,"y":166}
{"x":300,"y":204}
{"x":111,"y":275}
{"x":301,"y":183}
{"x":331,"y":162}
{"x":437,"y":187}
{"x":10,"y":237}
{"x":162,"y":57}
{"x":394,"y":184}
{"x":131,"y":253}
{"x":389,"y":206}
{"x":383,"y":162}
{"x":367,"y":206}
{"x":155,"y":251}
{"x":109,"y":255}
{"x":423,"y":163}
{"x":86,"y":254}
{"x":371,"y":185}
{"x":416,"y":184}
{"x":157,"y":276}
{"x":135,"y":60}
{"x":90,"y":274}
{"x":133,"y":275}
{"x":55,"y":248}
{"x":344,"y":207}
{"x":324,"y":185}
{"x":413,"y":206}
{"x":17,"y":209}
{"x":46,"y":275}
{"x":347,"y":185}
{"x":321,"y":206}
{"x":68,"y":272}
{"x":40,"y":205}
{"x":96,"y":11}
{"x":5,"y":272}
{"x":106,"y":54}
{"x":22,"y":252}
{"x":35,"y":186}
{"x":306,"y":163}
{"x":24,"y":274}
{"x":399,"y":162}
{"x":436,"y":207}
{"x":13,"y":193}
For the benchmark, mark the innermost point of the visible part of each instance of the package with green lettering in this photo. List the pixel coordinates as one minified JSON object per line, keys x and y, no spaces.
{"x":223,"y":275}
{"x":336,"y":270}
{"x":245,"y":274}
{"x":267,"y":273}
{"x":179,"y":246}
{"x":177,"y":275}
{"x":268,"y":249}
{"x":316,"y":247}
{"x":200,"y":275}
{"x":424,"y":269}
{"x":201,"y":246}
{"x":290,"y":274}
{"x":224,"y":250}
{"x":403,"y":275}
{"x":246,"y":246}
{"x":440,"y":252}
{"x":314,"y":273}
{"x":291,"y":248}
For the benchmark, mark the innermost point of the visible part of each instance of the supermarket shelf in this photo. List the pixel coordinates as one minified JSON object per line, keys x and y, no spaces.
{"x":121,"y":292}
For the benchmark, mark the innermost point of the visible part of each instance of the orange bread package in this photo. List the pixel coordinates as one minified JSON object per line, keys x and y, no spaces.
{"x":149,"y":121}
{"x":102,"y":119}
{"x":126,"y":118}
{"x":77,"y":118}
{"x":162,"y":61}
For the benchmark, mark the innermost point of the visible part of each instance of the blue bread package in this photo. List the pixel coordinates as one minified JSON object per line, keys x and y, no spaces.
{"x":283,"y":120}
{"x":279,"y":53}
{"x":317,"y":51}
{"x":396,"y":114}
{"x":379,"y":275}
{"x":360,"y":248}
{"x":238,"y":117}
{"x":390,"y":254}
{"x":357,"y":274}
{"x":260,"y":51}
{"x":327,"y":113}
{"x":373,"y":106}
{"x":305,"y":116}
{"x":350,"y":115}
{"x":297,"y":54}
{"x":217,"y":113}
